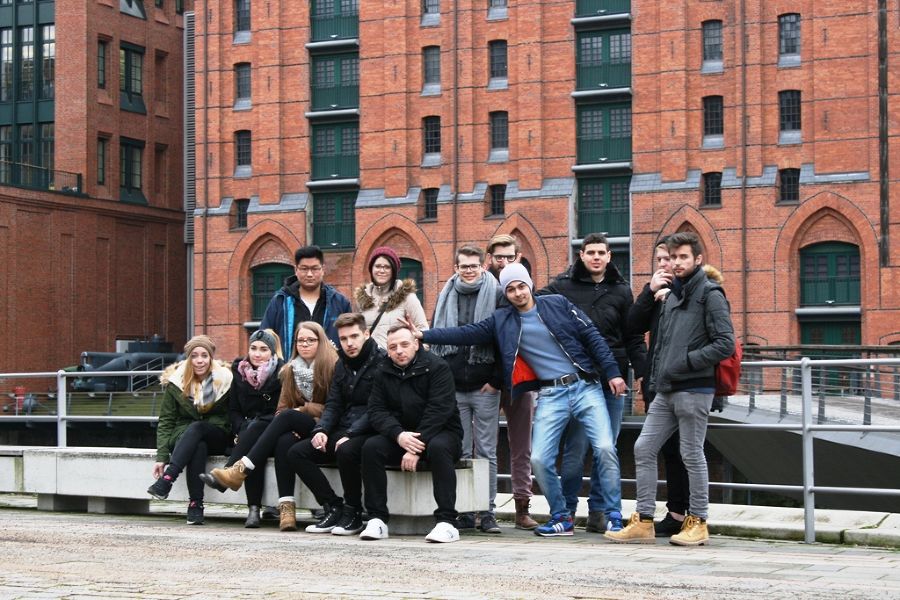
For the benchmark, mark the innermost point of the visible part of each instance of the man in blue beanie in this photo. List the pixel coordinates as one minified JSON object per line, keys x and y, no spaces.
{"x":547,"y":343}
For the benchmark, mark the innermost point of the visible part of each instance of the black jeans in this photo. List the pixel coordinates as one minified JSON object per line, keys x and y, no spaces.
{"x":286,"y":429}
{"x":677,"y":489}
{"x":305,"y":461}
{"x":441,"y":452}
{"x":191,"y":450}
{"x":249,"y":434}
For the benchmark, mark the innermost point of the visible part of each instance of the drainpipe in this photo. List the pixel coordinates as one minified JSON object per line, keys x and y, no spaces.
{"x":745,"y":295}
{"x":204,"y":270}
{"x":884,"y":255}
{"x":454,"y":230}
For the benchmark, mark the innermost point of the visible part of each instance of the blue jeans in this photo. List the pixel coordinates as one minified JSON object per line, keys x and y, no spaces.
{"x":554,"y":408}
{"x":599,"y":500}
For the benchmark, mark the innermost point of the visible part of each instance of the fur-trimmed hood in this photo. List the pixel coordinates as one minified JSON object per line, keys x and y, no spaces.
{"x":713,"y":274}
{"x":222,"y":376}
{"x":402,"y":289}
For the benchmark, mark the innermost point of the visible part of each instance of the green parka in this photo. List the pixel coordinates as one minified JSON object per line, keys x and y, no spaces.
{"x":177,"y":410}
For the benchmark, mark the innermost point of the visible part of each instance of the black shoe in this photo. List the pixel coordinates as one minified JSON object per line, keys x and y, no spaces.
{"x":252,"y":521}
{"x":596,"y":522}
{"x":351,"y":522}
{"x":329,"y":521}
{"x":212,"y":482}
{"x":270,"y":513}
{"x":668,"y":527}
{"x":489,"y":524}
{"x":465,"y":521}
{"x":161,"y":488}
{"x":195,"y":513}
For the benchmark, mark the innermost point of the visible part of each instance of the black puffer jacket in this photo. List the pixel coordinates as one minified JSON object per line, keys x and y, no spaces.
{"x":348,"y":396}
{"x":247,"y":403}
{"x":607,"y":304}
{"x":420,"y":397}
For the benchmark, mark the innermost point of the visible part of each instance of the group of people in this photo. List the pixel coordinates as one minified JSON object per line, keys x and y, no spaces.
{"x":377,"y":387}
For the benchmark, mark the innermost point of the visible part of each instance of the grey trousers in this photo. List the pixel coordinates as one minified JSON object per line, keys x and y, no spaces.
{"x":479,"y":414}
{"x":687,"y":412}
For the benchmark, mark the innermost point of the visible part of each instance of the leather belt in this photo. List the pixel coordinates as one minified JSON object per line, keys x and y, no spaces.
{"x":569,"y":379}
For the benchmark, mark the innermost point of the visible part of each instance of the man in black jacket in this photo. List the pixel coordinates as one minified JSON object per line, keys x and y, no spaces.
{"x":594,"y":284}
{"x":413,"y":409}
{"x":343,"y":429}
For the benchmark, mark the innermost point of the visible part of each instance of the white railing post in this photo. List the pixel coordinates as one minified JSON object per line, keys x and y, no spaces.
{"x":809,"y":497}
{"x":61,"y":404}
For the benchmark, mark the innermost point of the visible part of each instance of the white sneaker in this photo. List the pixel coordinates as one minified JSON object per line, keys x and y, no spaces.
{"x":443,"y":532}
{"x":376,"y":529}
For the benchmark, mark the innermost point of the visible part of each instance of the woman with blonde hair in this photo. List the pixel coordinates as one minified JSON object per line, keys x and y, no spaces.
{"x":193,"y":421}
{"x":304,"y":387}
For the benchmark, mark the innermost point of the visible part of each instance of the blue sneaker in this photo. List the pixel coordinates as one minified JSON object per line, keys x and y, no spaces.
{"x":614,"y":522}
{"x":560,"y":524}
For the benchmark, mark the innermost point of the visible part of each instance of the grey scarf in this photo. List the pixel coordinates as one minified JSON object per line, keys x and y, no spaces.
{"x":204,"y":400}
{"x":447,"y":310}
{"x":303,"y":377}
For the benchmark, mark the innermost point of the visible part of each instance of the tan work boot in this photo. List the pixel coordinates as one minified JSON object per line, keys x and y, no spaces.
{"x":288,"y":519}
{"x":638,"y":531}
{"x":523,"y":519}
{"x":693,"y":533}
{"x":232,"y":477}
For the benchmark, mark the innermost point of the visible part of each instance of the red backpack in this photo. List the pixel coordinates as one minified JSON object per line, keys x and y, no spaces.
{"x":728,"y":371}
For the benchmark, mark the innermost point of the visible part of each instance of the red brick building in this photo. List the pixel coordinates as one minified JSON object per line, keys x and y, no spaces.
{"x":91,"y":184}
{"x":778,"y":152}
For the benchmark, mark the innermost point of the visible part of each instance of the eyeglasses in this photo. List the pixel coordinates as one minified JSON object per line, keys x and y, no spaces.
{"x":468,"y":267}
{"x":307,"y":341}
{"x":506,"y":257}
{"x":381,"y":267}
{"x":309,"y":269}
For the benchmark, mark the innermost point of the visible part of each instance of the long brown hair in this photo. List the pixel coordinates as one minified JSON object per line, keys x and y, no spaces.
{"x":323,"y":368}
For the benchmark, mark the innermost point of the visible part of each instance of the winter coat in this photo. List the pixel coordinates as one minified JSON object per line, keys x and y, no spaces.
{"x":419,"y":397}
{"x":177,"y":410}
{"x":279,"y":315}
{"x":346,"y":408}
{"x":400,"y":303}
{"x":246,"y":403}
{"x":568,"y":324}
{"x":607,"y":304}
{"x":694,"y":334}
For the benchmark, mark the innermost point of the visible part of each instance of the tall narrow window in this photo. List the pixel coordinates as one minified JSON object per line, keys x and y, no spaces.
{"x":7,"y":65}
{"x":47,"y":146}
{"x":713,"y":121}
{"x":712,"y":44}
{"x":712,"y":189}
{"x":26,"y":144}
{"x":499,"y":67}
{"x":102,"y":50}
{"x":499,"y":131}
{"x":131,"y":78}
{"x":431,"y":68}
{"x":242,"y":153}
{"x":429,"y":204}
{"x":48,"y":61}
{"x":102,"y":151}
{"x":431,"y":13}
{"x":240,"y":213}
{"x":789,"y":117}
{"x":789,"y":34}
{"x":497,"y":200}
{"x":241,"y":15}
{"x":431,"y":133}
{"x":131,"y":169}
{"x":242,"y":85}
{"x":6,"y":153}
{"x":26,"y":63}
{"x":789,"y":185}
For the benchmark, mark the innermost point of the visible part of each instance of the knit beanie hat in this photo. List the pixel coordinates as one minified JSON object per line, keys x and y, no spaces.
{"x":266,"y":338}
{"x":388,"y":253}
{"x":200,"y":341}
{"x":515,"y":272}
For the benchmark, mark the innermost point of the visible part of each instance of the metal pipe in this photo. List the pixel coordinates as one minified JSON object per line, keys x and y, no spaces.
{"x":61,"y":402}
{"x":809,"y":497}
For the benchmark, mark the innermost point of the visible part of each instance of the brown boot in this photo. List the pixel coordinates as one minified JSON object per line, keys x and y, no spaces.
{"x":288,"y":519}
{"x":523,"y":519}
{"x":232,"y":477}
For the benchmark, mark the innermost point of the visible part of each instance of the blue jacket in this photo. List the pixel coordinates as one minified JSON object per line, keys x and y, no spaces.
{"x":280,"y":313}
{"x":569,"y":326}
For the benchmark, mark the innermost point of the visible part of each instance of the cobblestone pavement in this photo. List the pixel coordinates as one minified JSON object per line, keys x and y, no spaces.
{"x":79,"y":556}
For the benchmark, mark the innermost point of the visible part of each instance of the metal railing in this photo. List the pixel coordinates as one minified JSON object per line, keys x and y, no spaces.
{"x":755,"y":388}
{"x":35,"y":177}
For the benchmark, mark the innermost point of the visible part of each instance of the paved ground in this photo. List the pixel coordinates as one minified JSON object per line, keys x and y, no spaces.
{"x":78,"y":556}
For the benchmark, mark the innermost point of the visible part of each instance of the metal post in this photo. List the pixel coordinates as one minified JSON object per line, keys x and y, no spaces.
{"x":783,"y":410}
{"x":809,"y":498}
{"x":61,"y":404}
{"x":821,"y":416}
{"x":867,"y":398}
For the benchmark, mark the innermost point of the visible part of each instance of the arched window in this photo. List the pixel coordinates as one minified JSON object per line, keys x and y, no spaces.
{"x":267,"y":279}
{"x":829,"y":274}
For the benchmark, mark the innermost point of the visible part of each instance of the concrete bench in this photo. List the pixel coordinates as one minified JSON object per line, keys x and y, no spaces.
{"x":115,"y":480}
